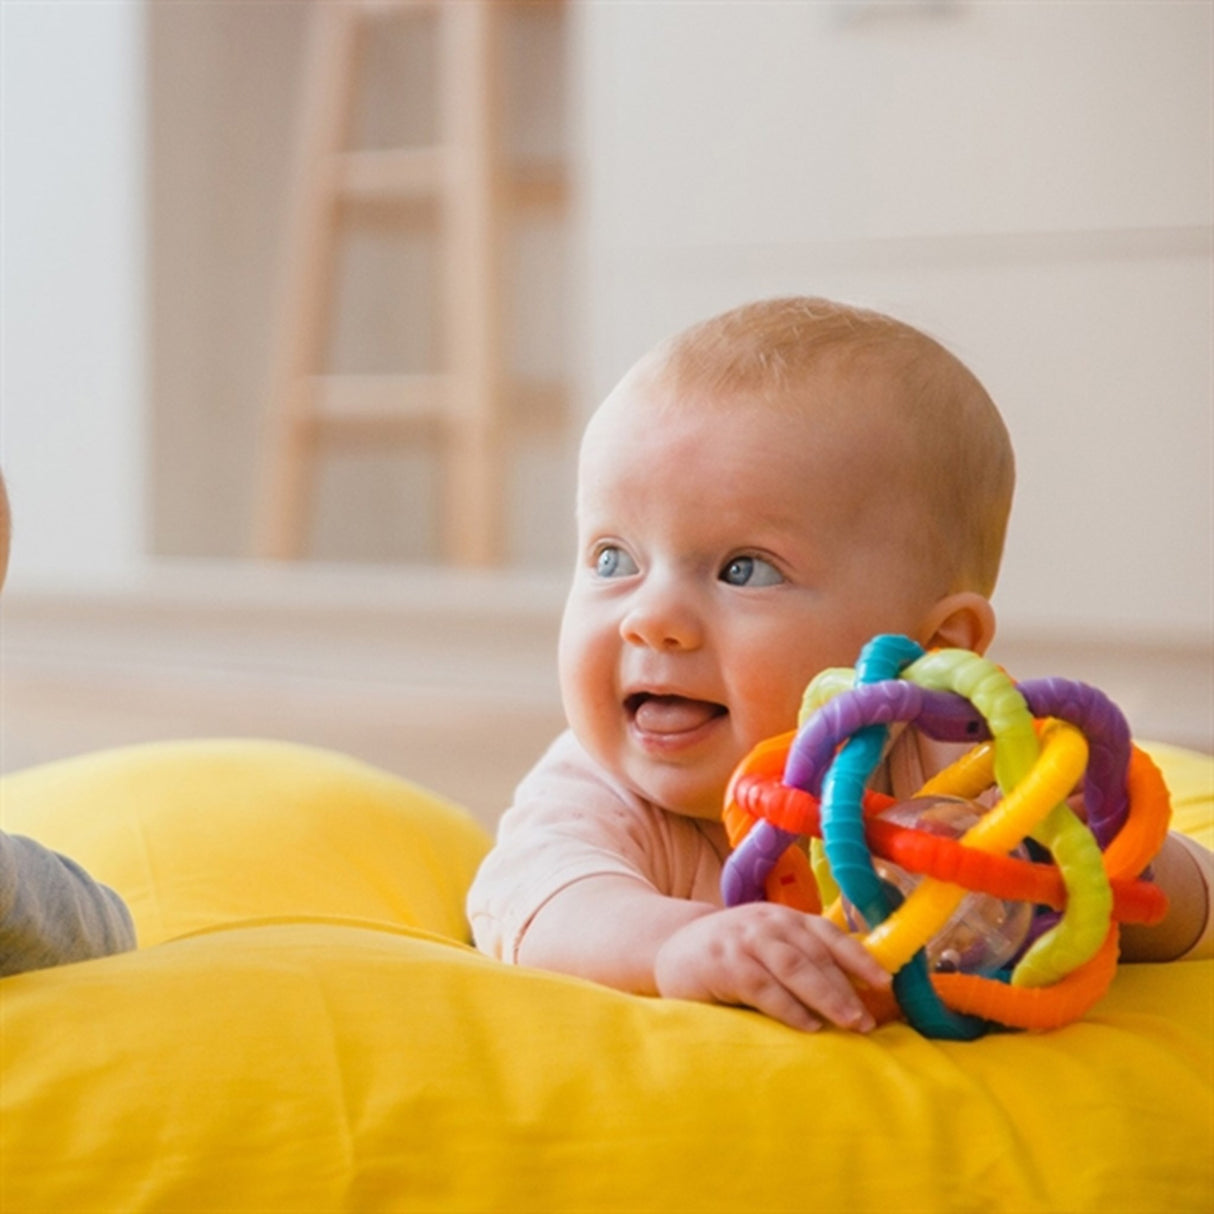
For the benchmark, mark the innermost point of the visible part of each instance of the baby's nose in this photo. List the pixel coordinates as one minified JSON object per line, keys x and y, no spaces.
{"x":661,"y":619}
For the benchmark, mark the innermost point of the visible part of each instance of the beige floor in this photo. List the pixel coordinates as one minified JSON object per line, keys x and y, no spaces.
{"x":456,"y":691}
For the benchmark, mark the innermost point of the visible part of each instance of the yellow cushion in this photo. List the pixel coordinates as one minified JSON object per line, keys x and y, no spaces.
{"x":197,"y":834}
{"x":1190,"y":778}
{"x":316,"y":1064}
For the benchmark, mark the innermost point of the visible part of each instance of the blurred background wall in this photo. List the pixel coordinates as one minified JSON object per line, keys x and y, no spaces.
{"x":74,"y":323}
{"x":1029,"y":182}
{"x":226,"y":91}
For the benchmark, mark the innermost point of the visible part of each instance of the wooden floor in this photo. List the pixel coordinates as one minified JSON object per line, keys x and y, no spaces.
{"x":448,"y":680}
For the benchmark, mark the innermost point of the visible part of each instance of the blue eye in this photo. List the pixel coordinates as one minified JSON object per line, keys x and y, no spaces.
{"x":751,"y":571}
{"x":614,"y":562}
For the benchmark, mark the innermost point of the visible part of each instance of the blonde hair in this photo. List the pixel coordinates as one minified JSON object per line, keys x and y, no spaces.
{"x":955,"y":447}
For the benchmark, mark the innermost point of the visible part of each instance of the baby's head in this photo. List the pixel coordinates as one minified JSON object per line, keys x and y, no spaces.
{"x":760,"y":495}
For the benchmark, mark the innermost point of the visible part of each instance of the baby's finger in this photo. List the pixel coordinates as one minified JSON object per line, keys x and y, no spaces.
{"x":850,"y":954}
{"x":760,"y":989}
{"x":812,"y":976}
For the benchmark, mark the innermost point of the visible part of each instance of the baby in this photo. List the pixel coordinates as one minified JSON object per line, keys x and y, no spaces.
{"x":757,"y":498}
{"x":51,"y":910}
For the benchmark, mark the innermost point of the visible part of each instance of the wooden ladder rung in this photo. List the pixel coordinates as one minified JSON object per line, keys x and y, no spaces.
{"x":396,"y":408}
{"x":390,"y":175}
{"x":537,"y":187}
{"x":393,"y":8}
{"x":395,"y":176}
{"x":378,"y":407}
{"x":538,"y":405}
{"x":465,"y":187}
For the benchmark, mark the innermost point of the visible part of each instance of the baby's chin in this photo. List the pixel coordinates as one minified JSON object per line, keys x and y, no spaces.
{"x":677,"y":792}
{"x":705,"y":807}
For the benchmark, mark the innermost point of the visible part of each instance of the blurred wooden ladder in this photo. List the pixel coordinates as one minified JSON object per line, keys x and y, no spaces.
{"x":465,"y":184}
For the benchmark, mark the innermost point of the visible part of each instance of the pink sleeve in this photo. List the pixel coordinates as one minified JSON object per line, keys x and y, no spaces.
{"x":570,"y":821}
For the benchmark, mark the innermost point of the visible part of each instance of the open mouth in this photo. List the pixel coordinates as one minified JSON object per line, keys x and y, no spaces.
{"x":670,"y":714}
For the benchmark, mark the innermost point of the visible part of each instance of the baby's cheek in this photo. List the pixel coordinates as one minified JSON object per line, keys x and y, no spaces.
{"x":773,"y":711}
{"x":585,"y":669}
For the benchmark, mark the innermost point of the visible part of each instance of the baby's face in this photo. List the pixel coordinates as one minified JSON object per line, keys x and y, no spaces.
{"x":726,"y":555}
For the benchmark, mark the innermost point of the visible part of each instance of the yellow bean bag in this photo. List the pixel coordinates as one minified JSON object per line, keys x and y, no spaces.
{"x":304,"y":1029}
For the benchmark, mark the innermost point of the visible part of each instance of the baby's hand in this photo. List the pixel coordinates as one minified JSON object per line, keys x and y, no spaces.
{"x":792,"y":966}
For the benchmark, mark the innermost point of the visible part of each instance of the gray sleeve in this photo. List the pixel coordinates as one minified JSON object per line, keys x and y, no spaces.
{"x":53,"y":912}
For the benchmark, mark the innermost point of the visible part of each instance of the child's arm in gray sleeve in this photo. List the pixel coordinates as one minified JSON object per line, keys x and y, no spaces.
{"x":53,"y":912}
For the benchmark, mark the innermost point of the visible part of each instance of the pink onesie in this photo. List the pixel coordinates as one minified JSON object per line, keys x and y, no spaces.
{"x":571,"y":820}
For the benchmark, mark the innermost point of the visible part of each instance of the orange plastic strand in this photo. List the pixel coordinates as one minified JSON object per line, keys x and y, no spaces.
{"x":945,"y":859}
{"x":1002,"y":876}
{"x":881,"y":1002}
{"x":1138,"y":901}
{"x":737,"y":822}
{"x":791,"y":809}
{"x":1146,"y":826}
{"x":1041,"y":1007}
{"x":791,"y":882}
{"x":766,"y":760}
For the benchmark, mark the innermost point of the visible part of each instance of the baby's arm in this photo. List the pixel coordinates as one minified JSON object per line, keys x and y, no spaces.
{"x":52,"y":911}
{"x":586,"y":879}
{"x":796,"y":968}
{"x":1184,"y":870}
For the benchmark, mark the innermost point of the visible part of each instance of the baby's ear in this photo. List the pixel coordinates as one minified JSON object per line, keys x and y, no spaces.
{"x":965,"y":620}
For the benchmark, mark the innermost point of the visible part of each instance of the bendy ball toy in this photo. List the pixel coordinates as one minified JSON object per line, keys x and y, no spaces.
{"x":1007,"y":916}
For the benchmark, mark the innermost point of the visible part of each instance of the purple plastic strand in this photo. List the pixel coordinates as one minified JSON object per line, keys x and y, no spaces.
{"x":812,"y":753}
{"x":946,"y":717}
{"x":813,"y":749}
{"x":745,"y":872}
{"x":1105,"y":795}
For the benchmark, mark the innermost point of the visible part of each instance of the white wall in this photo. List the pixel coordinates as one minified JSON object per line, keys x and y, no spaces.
{"x":71,"y":384}
{"x":1029,"y":182}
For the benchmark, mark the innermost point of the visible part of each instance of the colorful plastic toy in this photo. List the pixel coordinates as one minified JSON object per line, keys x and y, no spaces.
{"x":1036,"y":742}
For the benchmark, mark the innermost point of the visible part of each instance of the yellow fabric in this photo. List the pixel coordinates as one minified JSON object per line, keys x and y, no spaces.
{"x":197,"y":834}
{"x":315,"y":1063}
{"x":1190,"y":779}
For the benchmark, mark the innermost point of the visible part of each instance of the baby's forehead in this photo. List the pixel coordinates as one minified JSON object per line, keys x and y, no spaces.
{"x":856,"y":445}
{"x":837,"y":404}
